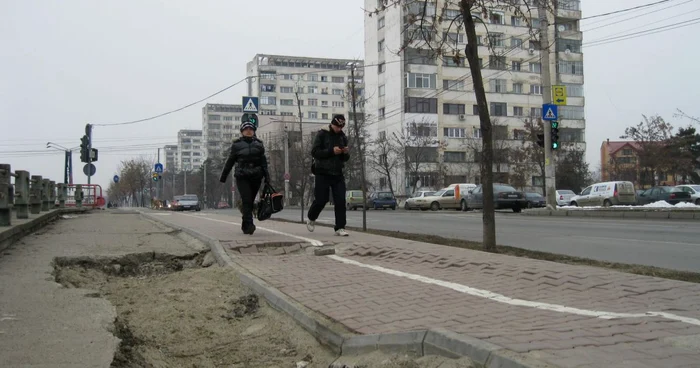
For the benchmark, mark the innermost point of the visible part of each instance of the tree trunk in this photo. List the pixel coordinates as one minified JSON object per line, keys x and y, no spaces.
{"x":472,"y":55}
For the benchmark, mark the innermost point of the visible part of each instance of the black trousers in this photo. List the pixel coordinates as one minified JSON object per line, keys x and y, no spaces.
{"x":248,"y":188}
{"x":336,"y":184}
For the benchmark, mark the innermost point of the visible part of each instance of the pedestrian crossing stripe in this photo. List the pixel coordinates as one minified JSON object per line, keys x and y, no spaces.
{"x":250,"y":106}
{"x":550,"y":114}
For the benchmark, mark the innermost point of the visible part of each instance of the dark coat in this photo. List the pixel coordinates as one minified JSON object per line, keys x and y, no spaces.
{"x":327,"y":162}
{"x":248,"y":154}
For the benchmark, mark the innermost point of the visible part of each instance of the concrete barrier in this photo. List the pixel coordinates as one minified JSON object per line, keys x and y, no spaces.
{"x":633,"y":213}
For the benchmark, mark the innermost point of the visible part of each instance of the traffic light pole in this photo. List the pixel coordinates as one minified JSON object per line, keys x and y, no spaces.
{"x":549,"y":172}
{"x":88,"y":132}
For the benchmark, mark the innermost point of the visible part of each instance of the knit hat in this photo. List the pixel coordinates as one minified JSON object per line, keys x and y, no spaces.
{"x":337,"y":118}
{"x":247,"y":125}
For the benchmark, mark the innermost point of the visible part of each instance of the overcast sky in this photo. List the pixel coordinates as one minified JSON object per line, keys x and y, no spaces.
{"x":66,"y":63}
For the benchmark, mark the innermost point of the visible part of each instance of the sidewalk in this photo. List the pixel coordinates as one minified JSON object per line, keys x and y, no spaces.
{"x":561,"y":315}
{"x":43,"y":324}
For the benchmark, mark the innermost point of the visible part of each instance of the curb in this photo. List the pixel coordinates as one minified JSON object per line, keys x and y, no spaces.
{"x":10,"y":235}
{"x":678,"y":214}
{"x":344,"y":342}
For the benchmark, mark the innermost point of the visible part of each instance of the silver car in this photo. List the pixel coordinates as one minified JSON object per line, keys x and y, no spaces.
{"x":412,"y":202}
{"x":187,"y":202}
{"x":564,"y":197}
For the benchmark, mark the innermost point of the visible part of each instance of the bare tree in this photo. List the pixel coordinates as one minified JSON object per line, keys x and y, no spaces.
{"x":385,"y":160}
{"x":681,"y":114}
{"x":423,"y":26}
{"x":503,"y":149}
{"x":652,"y":136}
{"x":418,"y":144}
{"x":528,"y":158}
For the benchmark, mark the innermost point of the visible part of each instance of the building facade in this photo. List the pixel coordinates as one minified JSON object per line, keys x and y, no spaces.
{"x":220,"y":125}
{"x":190,"y":150}
{"x":620,"y":160}
{"x":429,"y":100}
{"x":170,"y":157}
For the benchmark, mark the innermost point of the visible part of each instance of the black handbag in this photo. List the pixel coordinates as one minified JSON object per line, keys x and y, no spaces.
{"x":270,"y":202}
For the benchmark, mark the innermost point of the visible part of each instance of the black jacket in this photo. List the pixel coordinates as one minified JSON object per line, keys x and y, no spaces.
{"x":248,"y":154}
{"x":327,"y":162}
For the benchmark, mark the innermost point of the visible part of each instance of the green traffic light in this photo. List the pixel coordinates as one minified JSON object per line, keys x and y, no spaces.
{"x":555,"y":145}
{"x":555,"y":125}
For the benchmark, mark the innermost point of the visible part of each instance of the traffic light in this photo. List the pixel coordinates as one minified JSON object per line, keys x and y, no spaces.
{"x":540,"y":140}
{"x":84,"y":144}
{"x":93,"y":156}
{"x":251,"y":118}
{"x":555,"y":135}
{"x":155,"y":176}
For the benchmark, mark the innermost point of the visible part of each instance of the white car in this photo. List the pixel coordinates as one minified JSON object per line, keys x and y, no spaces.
{"x":693,"y":189}
{"x":564,"y":197}
{"x":612,"y":193}
{"x":412,"y":202}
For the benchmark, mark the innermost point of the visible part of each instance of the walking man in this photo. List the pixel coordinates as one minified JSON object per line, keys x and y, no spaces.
{"x":330,"y":152}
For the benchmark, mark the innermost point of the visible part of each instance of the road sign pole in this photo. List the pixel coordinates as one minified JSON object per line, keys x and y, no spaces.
{"x":157,"y":183}
{"x":549,"y":171}
{"x":286,"y":166}
{"x":88,"y":132}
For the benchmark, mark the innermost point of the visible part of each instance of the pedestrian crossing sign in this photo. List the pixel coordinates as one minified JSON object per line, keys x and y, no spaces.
{"x":250,"y":104}
{"x":550,"y":112}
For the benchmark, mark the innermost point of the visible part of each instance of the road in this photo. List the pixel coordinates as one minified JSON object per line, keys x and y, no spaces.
{"x":669,"y":244}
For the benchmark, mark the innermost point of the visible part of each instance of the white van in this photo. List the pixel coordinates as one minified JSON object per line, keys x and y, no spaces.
{"x":462,"y":193}
{"x":612,"y":193}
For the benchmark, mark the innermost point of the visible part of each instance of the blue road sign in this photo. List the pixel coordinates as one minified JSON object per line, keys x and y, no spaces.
{"x":550,"y":112}
{"x":158,"y":168}
{"x":116,"y":178}
{"x":250,"y":104}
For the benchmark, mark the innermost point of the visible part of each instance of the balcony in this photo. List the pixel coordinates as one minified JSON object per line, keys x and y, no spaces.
{"x":569,"y":9}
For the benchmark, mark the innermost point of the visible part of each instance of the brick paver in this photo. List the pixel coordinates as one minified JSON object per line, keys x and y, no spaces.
{"x":370,"y":301}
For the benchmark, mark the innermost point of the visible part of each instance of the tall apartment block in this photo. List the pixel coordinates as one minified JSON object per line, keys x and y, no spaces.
{"x":190,"y":150}
{"x":427,"y":96}
{"x":170,"y":157}
{"x":220,"y":126}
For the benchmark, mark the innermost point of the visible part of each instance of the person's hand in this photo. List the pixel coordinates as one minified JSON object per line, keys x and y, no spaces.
{"x":337,"y":150}
{"x":346,"y":149}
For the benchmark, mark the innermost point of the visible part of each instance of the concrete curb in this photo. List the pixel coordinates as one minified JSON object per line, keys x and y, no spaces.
{"x":10,"y":235}
{"x":676,"y":214}
{"x":345,"y":342}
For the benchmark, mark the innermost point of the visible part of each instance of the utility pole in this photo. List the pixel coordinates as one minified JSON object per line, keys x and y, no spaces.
{"x":301,"y":145}
{"x":185,"y":173}
{"x":549,"y":172}
{"x":286,"y":165}
{"x":158,"y":182}
{"x":204,"y":196}
{"x":358,"y":141}
{"x":88,"y":132}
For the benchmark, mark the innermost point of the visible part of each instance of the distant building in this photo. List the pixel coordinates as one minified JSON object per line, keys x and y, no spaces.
{"x":220,"y":125}
{"x":190,"y":150}
{"x":619,"y":160}
{"x":170,"y":157}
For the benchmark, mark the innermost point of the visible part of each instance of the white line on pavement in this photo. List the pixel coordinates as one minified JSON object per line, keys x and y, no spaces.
{"x":315,"y":243}
{"x":517,"y":302}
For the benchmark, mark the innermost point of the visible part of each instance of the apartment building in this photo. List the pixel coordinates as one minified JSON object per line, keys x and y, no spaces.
{"x":220,"y":125}
{"x":319,"y":86}
{"x":190,"y":150}
{"x":429,"y":100}
{"x":170,"y":157}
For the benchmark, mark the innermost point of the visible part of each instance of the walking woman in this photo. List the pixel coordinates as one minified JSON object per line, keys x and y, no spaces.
{"x":248,"y":154}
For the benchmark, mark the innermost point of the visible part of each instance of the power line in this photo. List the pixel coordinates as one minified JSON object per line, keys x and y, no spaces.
{"x":646,"y":32}
{"x":626,"y":10}
{"x":638,"y":16}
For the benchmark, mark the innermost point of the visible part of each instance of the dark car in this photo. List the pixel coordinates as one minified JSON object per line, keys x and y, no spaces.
{"x":504,"y":195}
{"x":382,"y":200}
{"x":535,"y":200}
{"x":672,"y":195}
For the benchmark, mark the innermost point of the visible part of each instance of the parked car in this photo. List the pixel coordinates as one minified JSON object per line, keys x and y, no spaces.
{"x":606,"y":194}
{"x":535,"y":200}
{"x":442,"y":199}
{"x":412,"y":202}
{"x":564,"y":197}
{"x":462,"y":193}
{"x":694,"y":191}
{"x":382,"y":200}
{"x":353,"y":199}
{"x":187,"y":202}
{"x":669,"y":194}
{"x":504,"y":197}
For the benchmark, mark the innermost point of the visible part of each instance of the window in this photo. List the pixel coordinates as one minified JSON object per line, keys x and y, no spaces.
{"x":535,"y":22}
{"x":312,"y":89}
{"x":571,"y":112}
{"x":268,"y":112}
{"x":497,"y":62}
{"x":287,"y":89}
{"x":421,"y":105}
{"x":452,"y":109}
{"x":568,"y":4}
{"x":422,"y":130}
{"x":518,"y":111}
{"x":569,"y":26}
{"x":300,"y":102}
{"x":517,"y":88}
{"x":475,"y":109}
{"x":214,"y":117}
{"x":313,"y":115}
{"x":455,"y":156}
{"x":499,"y":109}
{"x":324,"y":90}
{"x":381,"y":68}
{"x":313,"y":102}
{"x":324,"y":78}
{"x":627,"y":152}
{"x":382,"y":135}
{"x":324,"y":103}
{"x":268,"y":75}
{"x":338,"y":92}
{"x":571,"y":135}
{"x":515,"y":66}
{"x":476,"y":132}
{"x":535,"y":67}
{"x":497,"y":85}
{"x":573,"y":46}
{"x":516,"y":21}
{"x":338,"y":80}
{"x":516,"y":43}
{"x":450,"y":61}
{"x":535,"y":89}
{"x":451,"y":14}
{"x":380,"y":23}
{"x":419,"y":56}
{"x":287,"y":102}
{"x":338,"y":103}
{"x":380,"y":46}
{"x":313,"y":77}
{"x":453,"y":38}
{"x":381,"y":112}
{"x":519,"y":134}
{"x":286,"y":113}
{"x":497,"y":18}
{"x":228,"y":118}
{"x":500,"y":132}
{"x":267,"y":88}
{"x":570,"y":67}
{"x":453,"y":85}
{"x":455,"y":132}
{"x":419,"y":80}
{"x":300,"y":89}
{"x":268,"y":100}
{"x":538,"y":181}
{"x":324,"y":116}
{"x":574,"y":90}
{"x":497,"y":39}
{"x":536,"y":112}
{"x":382,"y":90}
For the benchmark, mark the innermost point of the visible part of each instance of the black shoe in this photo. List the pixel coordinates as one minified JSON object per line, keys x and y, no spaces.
{"x":251,"y":230}
{"x":248,"y":230}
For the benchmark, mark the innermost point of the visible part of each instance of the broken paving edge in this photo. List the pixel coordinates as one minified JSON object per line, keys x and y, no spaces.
{"x":10,"y":235}
{"x":343,"y":341}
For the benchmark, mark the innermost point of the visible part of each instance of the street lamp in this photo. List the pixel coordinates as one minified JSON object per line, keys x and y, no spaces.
{"x":68,"y":167}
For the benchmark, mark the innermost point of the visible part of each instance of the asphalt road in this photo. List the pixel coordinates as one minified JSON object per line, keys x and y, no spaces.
{"x":671,"y":244}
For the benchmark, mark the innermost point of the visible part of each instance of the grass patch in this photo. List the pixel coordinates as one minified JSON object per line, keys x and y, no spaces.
{"x":533,"y":254}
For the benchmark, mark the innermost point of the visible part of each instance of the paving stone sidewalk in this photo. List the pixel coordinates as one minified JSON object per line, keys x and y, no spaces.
{"x":371,"y":301}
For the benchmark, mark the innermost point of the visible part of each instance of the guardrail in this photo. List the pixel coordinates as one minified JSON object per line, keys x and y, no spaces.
{"x":31,"y":194}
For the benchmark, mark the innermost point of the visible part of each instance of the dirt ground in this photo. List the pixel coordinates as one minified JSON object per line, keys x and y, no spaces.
{"x":172,"y":312}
